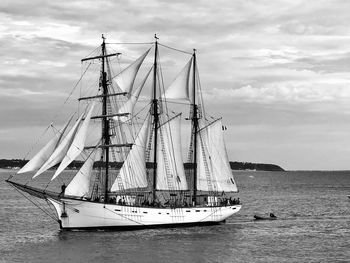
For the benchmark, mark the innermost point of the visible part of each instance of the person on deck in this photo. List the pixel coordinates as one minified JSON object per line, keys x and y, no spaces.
{"x":231,"y":201}
{"x":63,"y":189}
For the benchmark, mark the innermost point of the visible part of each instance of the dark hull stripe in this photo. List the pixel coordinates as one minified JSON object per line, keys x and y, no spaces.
{"x":138,"y":227}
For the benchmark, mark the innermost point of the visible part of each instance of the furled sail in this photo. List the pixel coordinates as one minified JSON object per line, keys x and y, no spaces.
{"x":214,"y":171}
{"x":77,"y":145}
{"x":133,"y":172}
{"x":171,"y":172}
{"x":60,"y":150}
{"x":128,"y":106}
{"x":80,"y":184}
{"x":179,"y":89}
{"x":126,"y":78}
{"x":44,"y":154}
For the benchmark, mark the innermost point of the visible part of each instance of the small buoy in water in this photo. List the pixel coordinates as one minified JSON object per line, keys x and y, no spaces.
{"x":270,"y":217}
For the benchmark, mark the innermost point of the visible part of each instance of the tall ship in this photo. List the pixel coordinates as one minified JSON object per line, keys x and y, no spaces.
{"x":127,"y":143}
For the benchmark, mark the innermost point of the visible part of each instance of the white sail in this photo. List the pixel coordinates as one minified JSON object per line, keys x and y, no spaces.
{"x":179,"y":89}
{"x":77,"y":145}
{"x":80,"y":184}
{"x":128,"y":106}
{"x":126,"y":78}
{"x":170,"y":168}
{"x":44,"y":154}
{"x":133,"y":172}
{"x":60,"y":150}
{"x":214,"y":171}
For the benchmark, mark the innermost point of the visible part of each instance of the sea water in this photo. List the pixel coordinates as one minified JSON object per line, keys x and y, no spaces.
{"x":313,"y":225}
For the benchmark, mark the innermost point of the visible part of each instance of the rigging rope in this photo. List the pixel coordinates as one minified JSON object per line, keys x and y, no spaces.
{"x":51,"y":124}
{"x":77,"y":83}
{"x":160,"y":87}
{"x":135,"y":116}
{"x":52,"y":217}
{"x":37,"y":141}
{"x":90,"y":54}
{"x":174,"y":102}
{"x":151,"y":43}
{"x":130,"y":43}
{"x":51,"y":207}
{"x":178,"y":50}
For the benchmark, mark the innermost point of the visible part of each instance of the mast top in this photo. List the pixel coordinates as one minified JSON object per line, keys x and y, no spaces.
{"x":103,"y":37}
{"x":156,"y":38}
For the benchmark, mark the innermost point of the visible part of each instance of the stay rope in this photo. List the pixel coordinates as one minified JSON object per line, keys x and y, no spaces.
{"x":37,"y":205}
{"x":55,"y":116}
{"x":175,"y":49}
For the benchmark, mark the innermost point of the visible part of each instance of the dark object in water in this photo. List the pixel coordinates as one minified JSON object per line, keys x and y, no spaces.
{"x":271,"y":217}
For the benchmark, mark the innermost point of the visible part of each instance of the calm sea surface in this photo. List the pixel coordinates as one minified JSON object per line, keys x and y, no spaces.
{"x":313,"y":226}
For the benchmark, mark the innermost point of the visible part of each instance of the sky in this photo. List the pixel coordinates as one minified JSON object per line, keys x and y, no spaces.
{"x":278,"y":72}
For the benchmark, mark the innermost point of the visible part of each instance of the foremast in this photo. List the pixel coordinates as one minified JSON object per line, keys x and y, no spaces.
{"x":105,"y":115}
{"x":155,"y":118}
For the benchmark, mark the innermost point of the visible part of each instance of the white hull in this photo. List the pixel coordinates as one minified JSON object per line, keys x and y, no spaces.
{"x":80,"y":214}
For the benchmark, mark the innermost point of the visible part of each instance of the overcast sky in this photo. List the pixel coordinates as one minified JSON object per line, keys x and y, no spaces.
{"x":278,"y":72}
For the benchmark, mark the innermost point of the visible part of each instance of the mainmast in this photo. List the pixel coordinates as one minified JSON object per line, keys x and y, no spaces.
{"x":195,"y":130}
{"x":156,"y":118}
{"x":105,"y":120}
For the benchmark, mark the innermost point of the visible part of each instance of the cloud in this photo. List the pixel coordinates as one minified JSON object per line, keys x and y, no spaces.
{"x":287,"y":92}
{"x":18,"y":92}
{"x":273,"y":63}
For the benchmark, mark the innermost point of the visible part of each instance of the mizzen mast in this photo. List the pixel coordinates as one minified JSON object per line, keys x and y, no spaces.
{"x":195,"y":129}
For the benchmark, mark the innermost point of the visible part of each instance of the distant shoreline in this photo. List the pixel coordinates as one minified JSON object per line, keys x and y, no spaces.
{"x":240,"y":166}
{"x":256,"y":166}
